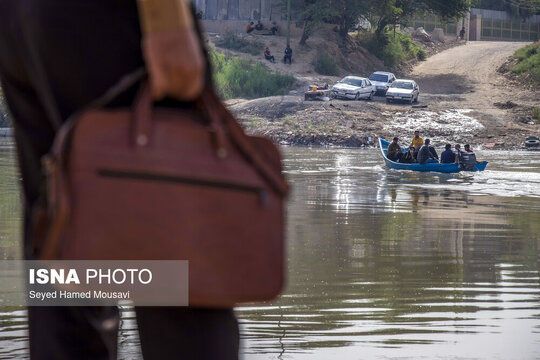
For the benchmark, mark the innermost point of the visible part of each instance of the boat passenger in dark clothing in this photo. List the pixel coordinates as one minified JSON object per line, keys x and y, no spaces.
{"x":448,"y":156}
{"x":433,"y":153}
{"x":394,"y":152}
{"x":424,"y":155}
{"x":469,"y":159}
{"x":408,"y":157}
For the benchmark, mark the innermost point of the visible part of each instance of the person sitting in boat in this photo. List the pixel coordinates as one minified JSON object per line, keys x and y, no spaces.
{"x":408,"y":157}
{"x":417,"y":140}
{"x":433,"y":153}
{"x":424,"y":155}
{"x":448,"y":156}
{"x":394,"y":152}
{"x":458,"y":154}
{"x":469,"y":158}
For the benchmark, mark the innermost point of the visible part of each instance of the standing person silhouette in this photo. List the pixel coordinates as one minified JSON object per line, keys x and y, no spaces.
{"x":56,"y":56}
{"x":288,"y":55}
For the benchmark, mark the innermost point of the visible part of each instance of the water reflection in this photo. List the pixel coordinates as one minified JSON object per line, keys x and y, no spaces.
{"x":382,"y":264}
{"x":395,"y":264}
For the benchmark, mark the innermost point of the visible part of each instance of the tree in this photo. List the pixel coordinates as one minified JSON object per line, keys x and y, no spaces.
{"x":393,"y":12}
{"x":346,"y":14}
{"x":315,"y":12}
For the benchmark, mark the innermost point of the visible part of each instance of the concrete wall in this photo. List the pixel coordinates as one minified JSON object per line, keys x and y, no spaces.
{"x":501,"y":15}
{"x":475,"y":27}
{"x":239,"y":9}
{"x":239,"y":26}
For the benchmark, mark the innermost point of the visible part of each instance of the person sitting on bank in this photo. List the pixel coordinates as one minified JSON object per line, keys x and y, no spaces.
{"x":259,"y":26}
{"x":268,"y":56}
{"x":288,"y":55}
{"x":424,"y":155}
{"x":274,"y":29}
{"x":250,"y":27}
{"x":448,"y":156}
{"x":394,"y":152}
{"x":408,"y":157}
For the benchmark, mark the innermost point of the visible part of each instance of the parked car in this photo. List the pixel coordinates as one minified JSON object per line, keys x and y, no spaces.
{"x":403,"y":90}
{"x":381,"y":80}
{"x":353,"y":87}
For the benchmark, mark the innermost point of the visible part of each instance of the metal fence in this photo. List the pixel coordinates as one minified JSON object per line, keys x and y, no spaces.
{"x":516,"y":30}
{"x":430,"y":22}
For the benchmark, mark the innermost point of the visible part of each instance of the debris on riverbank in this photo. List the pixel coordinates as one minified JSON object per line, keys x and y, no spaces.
{"x":457,"y":104}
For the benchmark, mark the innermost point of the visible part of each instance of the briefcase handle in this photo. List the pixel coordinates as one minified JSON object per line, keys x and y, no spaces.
{"x":222,"y":125}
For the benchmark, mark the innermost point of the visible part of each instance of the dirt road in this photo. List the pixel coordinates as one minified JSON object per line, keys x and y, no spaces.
{"x":471,"y":69}
{"x":466,"y":77}
{"x":460,"y":88}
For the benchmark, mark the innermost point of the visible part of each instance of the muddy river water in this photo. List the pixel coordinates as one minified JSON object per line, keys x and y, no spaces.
{"x":382,"y":264}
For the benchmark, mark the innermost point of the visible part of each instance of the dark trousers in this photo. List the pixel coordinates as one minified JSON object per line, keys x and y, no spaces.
{"x":55,"y":57}
{"x":287,"y":59}
{"x":395,"y":156}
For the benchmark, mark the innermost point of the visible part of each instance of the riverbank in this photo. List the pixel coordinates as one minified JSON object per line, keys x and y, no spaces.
{"x":463,"y":99}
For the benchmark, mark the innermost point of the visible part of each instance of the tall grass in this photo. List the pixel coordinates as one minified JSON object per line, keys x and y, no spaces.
{"x":232,"y":41}
{"x":325,"y":64}
{"x":528,"y":62}
{"x":4,"y":119}
{"x":393,"y":48}
{"x":241,"y":78}
{"x":536,"y":114}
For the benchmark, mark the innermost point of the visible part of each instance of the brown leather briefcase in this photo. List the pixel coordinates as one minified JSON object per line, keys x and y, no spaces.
{"x":152,"y":183}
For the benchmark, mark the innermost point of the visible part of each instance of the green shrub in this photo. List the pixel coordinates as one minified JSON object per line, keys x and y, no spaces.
{"x":232,"y":41}
{"x":4,"y":119}
{"x":236,"y":77}
{"x":421,"y":55}
{"x":528,"y":62}
{"x":527,"y":51}
{"x":325,"y":64}
{"x":536,"y":114}
{"x":393,"y":48}
{"x":393,"y":53}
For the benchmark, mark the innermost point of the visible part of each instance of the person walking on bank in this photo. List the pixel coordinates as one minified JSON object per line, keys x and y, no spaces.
{"x":56,"y":57}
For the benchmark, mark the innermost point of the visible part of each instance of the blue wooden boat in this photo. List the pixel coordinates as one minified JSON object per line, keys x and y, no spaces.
{"x":435,"y":167}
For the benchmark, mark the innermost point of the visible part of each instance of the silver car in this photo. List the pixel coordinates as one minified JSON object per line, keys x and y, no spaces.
{"x":353,"y":87}
{"x":403,"y":90}
{"x":382,"y":81}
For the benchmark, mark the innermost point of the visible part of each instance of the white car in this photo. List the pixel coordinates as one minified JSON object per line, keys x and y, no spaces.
{"x":403,"y":90}
{"x":382,"y":81}
{"x":353,"y":87}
